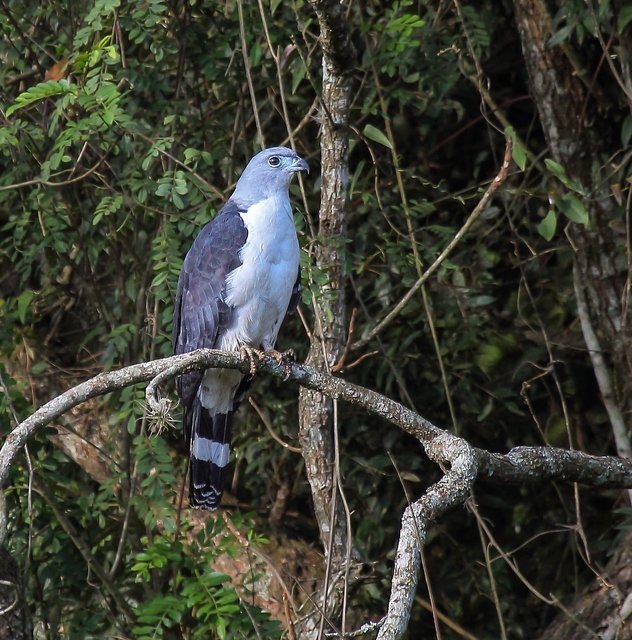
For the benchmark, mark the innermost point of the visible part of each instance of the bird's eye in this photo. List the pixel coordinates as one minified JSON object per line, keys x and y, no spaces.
{"x":274,"y":161}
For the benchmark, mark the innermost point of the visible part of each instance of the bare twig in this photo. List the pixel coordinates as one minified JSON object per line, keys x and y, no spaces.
{"x":619,"y":428}
{"x":480,"y":207}
{"x":262,"y":556}
{"x":268,"y":426}
{"x":606,"y":54}
{"x":447,"y":621}
{"x":339,"y":366}
{"x":251,"y":87}
{"x":16,"y":596}
{"x":48,"y":183}
{"x":367,"y":627}
{"x":417,"y":258}
{"x":490,"y":572}
{"x":520,"y":465}
{"x":290,"y":623}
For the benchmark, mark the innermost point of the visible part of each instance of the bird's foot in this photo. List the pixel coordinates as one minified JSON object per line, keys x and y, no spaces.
{"x":252,"y":355}
{"x":286,"y":358}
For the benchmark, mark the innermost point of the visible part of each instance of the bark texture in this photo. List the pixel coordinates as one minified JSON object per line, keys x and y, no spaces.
{"x":605,"y":608}
{"x":329,"y":332}
{"x":580,"y":126}
{"x":569,"y":107}
{"x":15,"y":620}
{"x":315,"y":410}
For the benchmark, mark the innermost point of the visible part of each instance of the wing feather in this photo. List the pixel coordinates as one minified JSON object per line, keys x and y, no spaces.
{"x":296,"y":294}
{"x":200,"y":312}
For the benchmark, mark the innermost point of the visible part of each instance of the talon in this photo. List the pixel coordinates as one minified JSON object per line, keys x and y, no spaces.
{"x":285,"y":358}
{"x":250,"y":354}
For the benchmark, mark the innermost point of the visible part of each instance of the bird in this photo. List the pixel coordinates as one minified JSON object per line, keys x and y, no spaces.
{"x":239,"y":280}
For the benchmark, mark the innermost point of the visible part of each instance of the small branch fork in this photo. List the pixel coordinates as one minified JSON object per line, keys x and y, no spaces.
{"x":465,"y":463}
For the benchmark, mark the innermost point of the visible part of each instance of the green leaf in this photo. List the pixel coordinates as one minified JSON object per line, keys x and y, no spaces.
{"x":180,"y":183}
{"x":24,"y":299}
{"x":163,"y":190}
{"x":215,"y":578}
{"x":297,"y":75}
{"x":190,"y":155}
{"x":517,"y":152}
{"x":560,"y":36}
{"x":221,"y":628}
{"x":39,"y":367}
{"x":625,"y":15}
{"x":547,"y":227}
{"x":573,"y":208}
{"x":373,"y":133}
{"x":487,"y":409}
{"x":108,"y":116}
{"x":255,"y":54}
{"x":41,"y":91}
{"x":488,"y":357}
{"x":483,"y":300}
{"x":160,"y":278}
{"x":560,"y":173}
{"x":177,"y":200}
{"x":556,"y":169}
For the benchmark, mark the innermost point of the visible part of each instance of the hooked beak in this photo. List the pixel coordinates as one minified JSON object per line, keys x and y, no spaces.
{"x":298,"y":164}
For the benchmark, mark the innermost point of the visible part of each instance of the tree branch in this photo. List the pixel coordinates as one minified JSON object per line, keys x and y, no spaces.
{"x":451,"y":490}
{"x":521,"y":465}
{"x":338,"y":52}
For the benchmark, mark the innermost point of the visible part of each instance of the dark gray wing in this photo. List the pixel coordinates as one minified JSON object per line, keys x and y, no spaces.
{"x":200,"y":313}
{"x":296,"y":294}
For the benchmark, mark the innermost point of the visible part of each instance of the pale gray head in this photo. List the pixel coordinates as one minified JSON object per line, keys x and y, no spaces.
{"x":268,"y":173}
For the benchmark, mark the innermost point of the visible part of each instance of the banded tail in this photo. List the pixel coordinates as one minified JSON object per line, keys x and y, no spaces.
{"x":209,"y":454}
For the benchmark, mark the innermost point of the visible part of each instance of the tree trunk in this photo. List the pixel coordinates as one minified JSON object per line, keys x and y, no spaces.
{"x":329,"y":333}
{"x":570,"y":109}
{"x":315,"y":410}
{"x":578,"y":123}
{"x":15,"y":621}
{"x":605,"y":608}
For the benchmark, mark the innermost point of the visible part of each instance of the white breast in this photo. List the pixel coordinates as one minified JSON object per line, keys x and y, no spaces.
{"x":260,"y":289}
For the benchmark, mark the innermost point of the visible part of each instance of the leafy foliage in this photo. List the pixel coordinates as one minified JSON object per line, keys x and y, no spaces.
{"x":200,"y":599}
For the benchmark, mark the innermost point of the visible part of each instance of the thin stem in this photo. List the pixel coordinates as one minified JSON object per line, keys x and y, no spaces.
{"x":480,"y":207}
{"x":251,"y":87}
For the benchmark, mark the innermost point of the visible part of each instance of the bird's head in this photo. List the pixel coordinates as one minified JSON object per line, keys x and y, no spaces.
{"x":269,"y":173}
